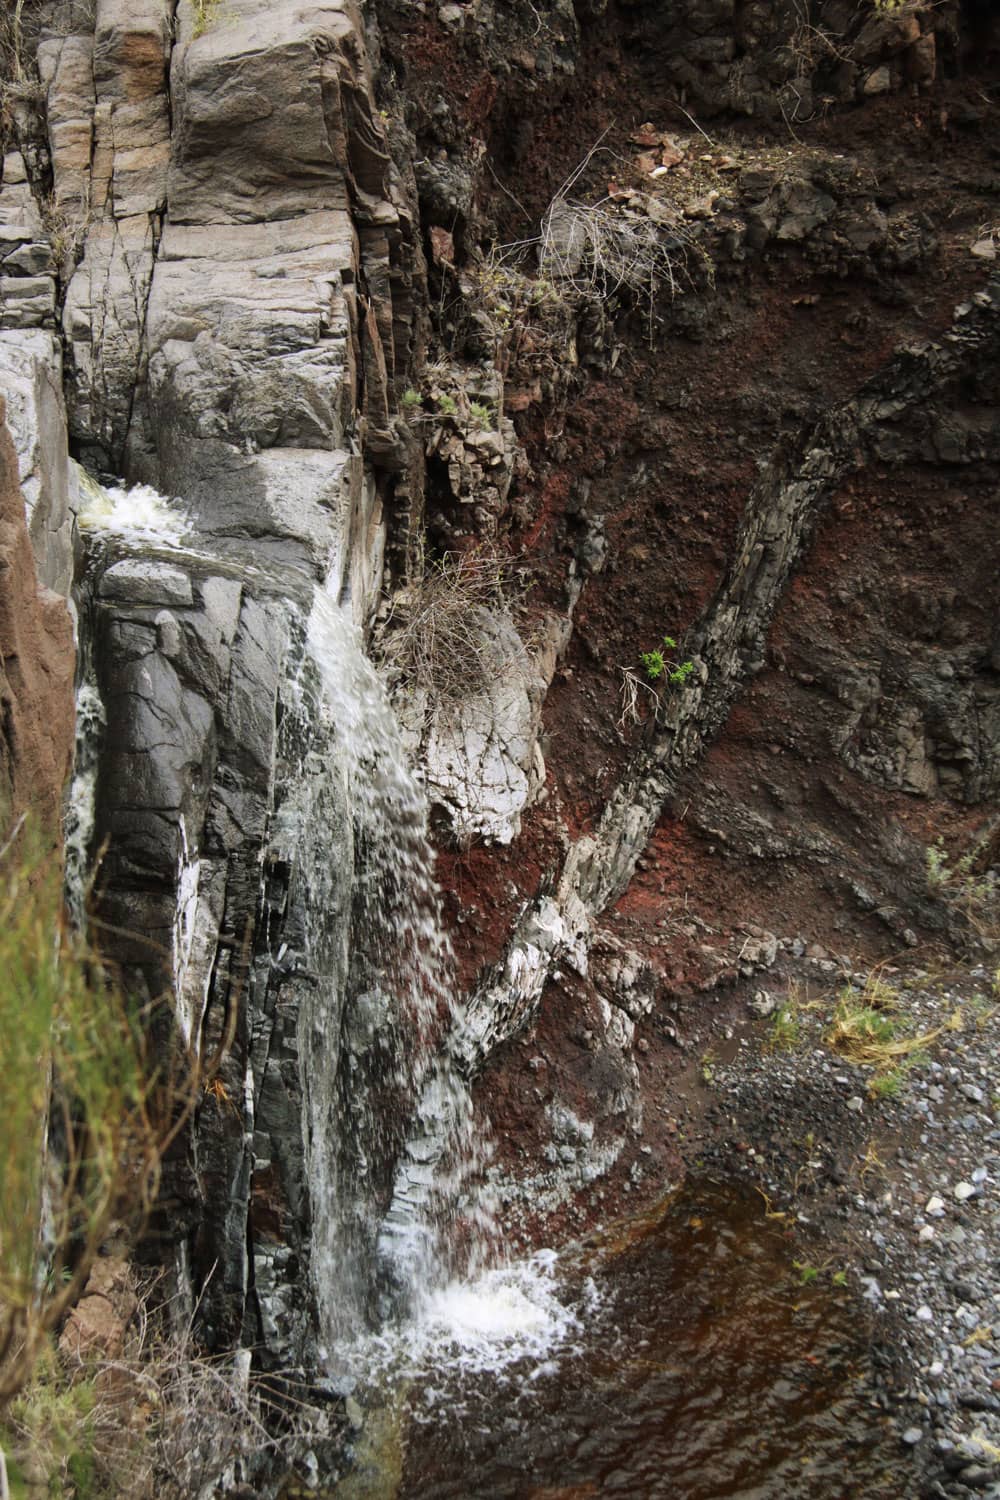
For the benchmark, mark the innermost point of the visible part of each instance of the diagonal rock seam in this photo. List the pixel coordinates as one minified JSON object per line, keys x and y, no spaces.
{"x":727,"y":645}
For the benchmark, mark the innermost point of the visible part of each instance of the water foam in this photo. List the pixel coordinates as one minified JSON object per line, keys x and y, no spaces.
{"x":135,"y":510}
{"x":514,"y":1319}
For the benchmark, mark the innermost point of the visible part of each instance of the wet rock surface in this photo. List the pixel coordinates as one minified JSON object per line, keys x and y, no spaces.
{"x":263,"y":258}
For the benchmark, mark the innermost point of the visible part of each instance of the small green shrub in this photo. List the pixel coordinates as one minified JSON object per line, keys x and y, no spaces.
{"x":447,"y":405}
{"x":481,"y":416}
{"x":410,"y":400}
{"x":658,"y":663}
{"x":660,"y":669}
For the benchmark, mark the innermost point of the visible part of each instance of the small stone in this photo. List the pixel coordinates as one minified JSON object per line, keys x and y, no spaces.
{"x":935,"y":1206}
{"x":912,"y":1436}
{"x":964,"y":1190}
{"x":926,"y":1233}
{"x":855,"y":1104}
{"x":763,"y":1003}
{"x":354,"y":1414}
{"x":924,"y":1314}
{"x":878,"y":82}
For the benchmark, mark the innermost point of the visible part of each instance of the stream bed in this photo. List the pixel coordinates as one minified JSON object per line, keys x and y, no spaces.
{"x":687,"y":1354}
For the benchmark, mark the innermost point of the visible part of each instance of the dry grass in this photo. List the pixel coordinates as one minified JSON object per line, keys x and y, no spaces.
{"x":439,"y":638}
{"x":870,"y":1028}
{"x":164,"y":1421}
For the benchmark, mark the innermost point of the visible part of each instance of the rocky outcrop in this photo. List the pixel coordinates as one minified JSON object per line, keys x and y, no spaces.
{"x":240,"y":314}
{"x":728,"y":644}
{"x":219,"y":254}
{"x":36,"y":668}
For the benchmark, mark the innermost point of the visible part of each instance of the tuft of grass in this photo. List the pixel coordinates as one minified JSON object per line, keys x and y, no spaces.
{"x":786,"y":1025}
{"x":206,"y":12}
{"x":870,"y":1029}
{"x":887,"y":1085}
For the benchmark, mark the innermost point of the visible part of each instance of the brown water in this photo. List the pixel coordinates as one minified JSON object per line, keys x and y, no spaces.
{"x":702,"y":1369}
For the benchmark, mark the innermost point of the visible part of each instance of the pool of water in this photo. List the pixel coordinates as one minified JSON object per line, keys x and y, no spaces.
{"x":693,"y":1361}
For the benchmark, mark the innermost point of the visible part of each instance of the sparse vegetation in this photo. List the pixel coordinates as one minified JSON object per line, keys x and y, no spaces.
{"x":206,"y":12}
{"x":786,"y":1027}
{"x":18,"y":77}
{"x":970,"y":886}
{"x":439,"y":638}
{"x":658,"y":663}
{"x":88,"y":1111}
{"x":189,"y":1418}
{"x":660,"y":670}
{"x":870,"y":1028}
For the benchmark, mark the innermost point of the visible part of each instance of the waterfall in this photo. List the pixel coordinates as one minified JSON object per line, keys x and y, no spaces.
{"x":371,"y":1050}
{"x":354,"y":1094}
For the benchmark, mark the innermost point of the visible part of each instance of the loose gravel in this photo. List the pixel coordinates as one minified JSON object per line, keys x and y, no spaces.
{"x":902,"y":1191}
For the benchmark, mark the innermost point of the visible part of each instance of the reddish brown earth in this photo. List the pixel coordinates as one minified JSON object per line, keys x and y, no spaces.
{"x":669,"y":442}
{"x":36,"y":669}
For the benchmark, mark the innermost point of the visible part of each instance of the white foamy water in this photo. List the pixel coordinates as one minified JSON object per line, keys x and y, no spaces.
{"x":130,"y":510}
{"x":78,"y":824}
{"x":511,"y":1317}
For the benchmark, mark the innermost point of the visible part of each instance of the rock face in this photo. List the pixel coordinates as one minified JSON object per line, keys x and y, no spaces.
{"x":36,"y":679}
{"x":213,"y":276}
{"x":240,"y":276}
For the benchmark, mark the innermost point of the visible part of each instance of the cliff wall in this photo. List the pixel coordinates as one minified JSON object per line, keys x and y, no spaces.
{"x":681,"y":314}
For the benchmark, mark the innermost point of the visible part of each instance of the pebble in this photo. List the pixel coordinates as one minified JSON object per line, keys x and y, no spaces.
{"x":964,"y":1190}
{"x":913,"y":1435}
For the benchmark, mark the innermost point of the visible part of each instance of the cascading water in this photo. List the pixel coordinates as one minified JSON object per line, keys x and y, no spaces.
{"x":360,"y":958}
{"x":371,"y":1049}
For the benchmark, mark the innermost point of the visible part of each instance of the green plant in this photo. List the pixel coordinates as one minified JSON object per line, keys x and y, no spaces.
{"x":660,"y":669}
{"x":807,"y":1273}
{"x":887,"y":1085}
{"x":410,"y":400}
{"x":88,"y":1113}
{"x":658,"y":663}
{"x":205,"y":13}
{"x":481,"y":416}
{"x":971,"y":890}
{"x":447,"y":405}
{"x":786,"y":1027}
